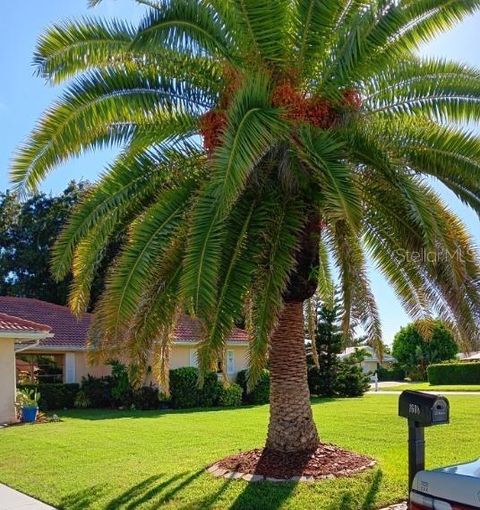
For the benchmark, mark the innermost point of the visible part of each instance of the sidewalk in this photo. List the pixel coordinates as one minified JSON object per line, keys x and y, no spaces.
{"x":11,"y":499}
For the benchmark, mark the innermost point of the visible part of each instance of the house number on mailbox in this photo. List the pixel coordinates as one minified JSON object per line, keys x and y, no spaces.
{"x":413,"y":409}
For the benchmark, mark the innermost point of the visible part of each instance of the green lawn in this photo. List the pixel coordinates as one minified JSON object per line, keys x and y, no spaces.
{"x":145,"y":460}
{"x":425,"y":386}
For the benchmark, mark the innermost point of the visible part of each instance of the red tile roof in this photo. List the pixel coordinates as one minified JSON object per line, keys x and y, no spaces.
{"x":10,"y":323}
{"x":70,"y":332}
{"x":188,"y":330}
{"x":67,"y":330}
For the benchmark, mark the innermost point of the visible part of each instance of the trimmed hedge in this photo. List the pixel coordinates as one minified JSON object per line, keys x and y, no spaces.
{"x":54,"y":395}
{"x":98,"y":390}
{"x":230,"y":396}
{"x":146,"y":398}
{"x":261,"y":393}
{"x":184,"y":390}
{"x":454,"y":373}
{"x":394,"y":373}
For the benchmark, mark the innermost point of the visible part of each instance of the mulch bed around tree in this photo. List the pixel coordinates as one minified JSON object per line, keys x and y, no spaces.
{"x":328,"y":461}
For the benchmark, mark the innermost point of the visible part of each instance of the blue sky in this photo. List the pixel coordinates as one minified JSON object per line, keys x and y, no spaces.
{"x":23,"y":97}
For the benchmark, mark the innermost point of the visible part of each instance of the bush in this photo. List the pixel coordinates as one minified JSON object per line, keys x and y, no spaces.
{"x":395,"y":373}
{"x":261,"y":393}
{"x":230,"y":396}
{"x":184,"y":390}
{"x":317,"y":385}
{"x":350,"y":380}
{"x":121,"y":388}
{"x":454,"y":373}
{"x":81,"y":400}
{"x":54,"y":395}
{"x":98,"y":390}
{"x":146,"y":398}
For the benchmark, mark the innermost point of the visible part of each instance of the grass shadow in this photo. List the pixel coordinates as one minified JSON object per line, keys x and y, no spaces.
{"x":150,"y":493}
{"x":264,"y":495}
{"x":371,"y":495}
{"x":82,"y":499}
{"x":110,"y":414}
{"x":348,"y":500}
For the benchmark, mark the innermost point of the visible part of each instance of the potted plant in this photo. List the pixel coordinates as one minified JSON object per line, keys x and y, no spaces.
{"x":27,"y":400}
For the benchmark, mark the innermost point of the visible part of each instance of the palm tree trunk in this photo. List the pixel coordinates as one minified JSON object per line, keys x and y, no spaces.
{"x":291,"y":427}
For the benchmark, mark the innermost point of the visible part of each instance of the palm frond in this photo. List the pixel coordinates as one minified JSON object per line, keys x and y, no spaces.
{"x":323,"y":153}
{"x":149,"y":239}
{"x":185,"y":26}
{"x":264,"y":29}
{"x":98,"y":110}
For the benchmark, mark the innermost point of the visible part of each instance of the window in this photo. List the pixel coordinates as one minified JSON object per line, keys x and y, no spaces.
{"x":193,"y":358}
{"x":39,"y":368}
{"x":230,"y":362}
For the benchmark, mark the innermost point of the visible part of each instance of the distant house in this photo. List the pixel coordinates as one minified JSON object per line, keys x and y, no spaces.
{"x":371,"y":362}
{"x":62,"y":357}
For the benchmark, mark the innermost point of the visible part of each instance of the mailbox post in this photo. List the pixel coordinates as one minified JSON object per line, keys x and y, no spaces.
{"x":421,"y":410}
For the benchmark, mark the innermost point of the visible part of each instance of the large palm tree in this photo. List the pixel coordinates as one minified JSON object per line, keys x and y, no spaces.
{"x":261,"y":140}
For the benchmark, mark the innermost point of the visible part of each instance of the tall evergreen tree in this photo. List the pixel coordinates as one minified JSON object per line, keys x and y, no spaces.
{"x":329,"y":345}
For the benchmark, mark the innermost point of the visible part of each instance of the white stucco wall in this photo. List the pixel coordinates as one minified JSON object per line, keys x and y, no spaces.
{"x":369,"y":366}
{"x":7,"y":380}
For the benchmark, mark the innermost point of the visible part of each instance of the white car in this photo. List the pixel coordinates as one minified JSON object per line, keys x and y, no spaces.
{"x":449,"y":488}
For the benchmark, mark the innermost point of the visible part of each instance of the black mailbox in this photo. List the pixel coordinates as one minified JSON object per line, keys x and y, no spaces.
{"x":423,"y":408}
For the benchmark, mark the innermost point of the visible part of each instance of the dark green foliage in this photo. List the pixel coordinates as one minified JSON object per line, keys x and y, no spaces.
{"x":54,"y":396}
{"x":146,"y":398}
{"x":395,"y":373}
{"x":415,"y":353}
{"x":328,"y":340}
{"x":454,"y":373}
{"x":350,"y":379}
{"x":230,"y":396}
{"x":186,"y":393}
{"x":260,"y":393}
{"x":27,"y":233}
{"x":121,"y":387}
{"x":98,"y":390}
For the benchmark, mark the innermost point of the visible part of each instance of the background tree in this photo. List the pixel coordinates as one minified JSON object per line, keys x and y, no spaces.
{"x":321,"y":131}
{"x":328,"y":341}
{"x":27,"y":233}
{"x":415,"y":352}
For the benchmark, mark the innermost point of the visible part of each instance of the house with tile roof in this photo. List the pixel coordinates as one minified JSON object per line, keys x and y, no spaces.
{"x":61,"y":356}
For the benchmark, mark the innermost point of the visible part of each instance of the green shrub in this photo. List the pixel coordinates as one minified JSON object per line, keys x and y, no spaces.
{"x":230,"y":396}
{"x":54,"y":395}
{"x":98,"y":390}
{"x":454,"y":373}
{"x":350,"y":380}
{"x":146,"y":398}
{"x":395,"y":373}
{"x":184,"y":390}
{"x":81,"y":400}
{"x":121,"y":388}
{"x":261,"y":393}
{"x":318,"y":384}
